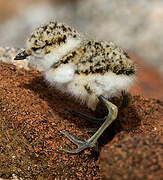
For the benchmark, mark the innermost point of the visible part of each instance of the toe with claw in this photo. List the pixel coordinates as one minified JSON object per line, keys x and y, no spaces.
{"x":81,"y":144}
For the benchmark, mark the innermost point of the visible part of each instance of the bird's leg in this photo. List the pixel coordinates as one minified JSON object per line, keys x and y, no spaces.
{"x":91,"y":102}
{"x":89,"y":118}
{"x":112,"y":115}
{"x":126,"y":98}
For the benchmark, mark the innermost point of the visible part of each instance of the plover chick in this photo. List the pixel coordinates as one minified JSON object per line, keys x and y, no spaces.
{"x":89,"y":70}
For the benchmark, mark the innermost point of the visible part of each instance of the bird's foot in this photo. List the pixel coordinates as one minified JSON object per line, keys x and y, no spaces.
{"x":91,"y":142}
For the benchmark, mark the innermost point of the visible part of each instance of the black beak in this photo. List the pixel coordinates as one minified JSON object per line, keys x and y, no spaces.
{"x":21,"y":56}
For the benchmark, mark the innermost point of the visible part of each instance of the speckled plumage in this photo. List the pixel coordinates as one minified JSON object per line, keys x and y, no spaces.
{"x":98,"y":57}
{"x":84,"y":68}
{"x":50,"y":36}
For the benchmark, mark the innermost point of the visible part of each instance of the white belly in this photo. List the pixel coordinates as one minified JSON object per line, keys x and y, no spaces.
{"x":108,"y":85}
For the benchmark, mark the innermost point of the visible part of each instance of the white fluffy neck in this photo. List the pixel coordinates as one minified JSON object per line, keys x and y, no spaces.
{"x":48,"y":60}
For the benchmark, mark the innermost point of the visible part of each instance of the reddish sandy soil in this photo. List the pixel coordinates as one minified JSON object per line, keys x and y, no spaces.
{"x":133,"y":157}
{"x":32,"y":114}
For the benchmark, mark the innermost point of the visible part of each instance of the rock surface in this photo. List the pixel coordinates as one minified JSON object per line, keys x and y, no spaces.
{"x":31,"y":117}
{"x":32,"y":114}
{"x":133,"y":157}
{"x":137,"y":151}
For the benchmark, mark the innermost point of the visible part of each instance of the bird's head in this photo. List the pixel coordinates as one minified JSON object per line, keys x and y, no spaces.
{"x":47,"y":39}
